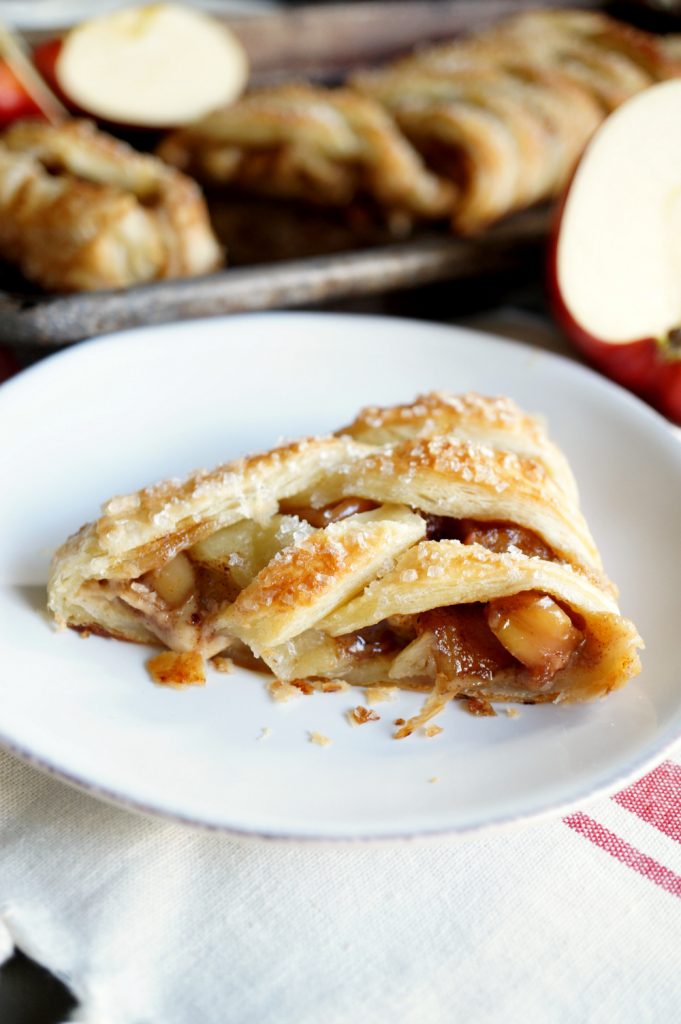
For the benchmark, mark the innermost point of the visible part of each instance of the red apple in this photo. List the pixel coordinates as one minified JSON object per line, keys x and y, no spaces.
{"x":615,"y":258}
{"x":45,"y":57}
{"x":15,"y":101}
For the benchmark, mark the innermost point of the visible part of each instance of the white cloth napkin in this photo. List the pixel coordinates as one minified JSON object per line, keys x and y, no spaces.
{"x":562,"y":920}
{"x":567,"y":920}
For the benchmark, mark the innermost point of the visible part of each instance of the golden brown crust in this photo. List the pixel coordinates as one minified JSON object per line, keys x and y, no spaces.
{"x":326,"y":569}
{"x":306,"y":142}
{"x":80,"y":210}
{"x":241,"y":560}
{"x":508,"y":111}
{"x":444,"y":476}
{"x":472,"y":129}
{"x":496,"y":423}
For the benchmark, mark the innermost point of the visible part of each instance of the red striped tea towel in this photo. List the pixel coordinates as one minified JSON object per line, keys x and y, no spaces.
{"x":570,"y":919}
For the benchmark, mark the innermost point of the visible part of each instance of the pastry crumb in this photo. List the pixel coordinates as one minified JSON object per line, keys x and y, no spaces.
{"x":333,"y":686}
{"x":320,"y":739}
{"x":512,"y":712}
{"x":434,"y":778}
{"x":84,"y":634}
{"x":303,"y":685}
{"x":281,"y":691}
{"x":222,"y":664}
{"x":360,"y":715}
{"x":265,"y":732}
{"x":399,"y":721}
{"x":478,"y":706}
{"x":433,"y":730}
{"x":177,"y":669}
{"x":376,"y":694}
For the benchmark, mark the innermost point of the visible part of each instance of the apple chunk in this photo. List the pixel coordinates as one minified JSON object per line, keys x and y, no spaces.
{"x":615,"y":261}
{"x":156,"y":66}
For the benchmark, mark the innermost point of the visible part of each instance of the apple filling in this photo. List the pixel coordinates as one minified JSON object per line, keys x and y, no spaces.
{"x":528,"y":638}
{"x":175,"y":600}
{"x":525,"y":639}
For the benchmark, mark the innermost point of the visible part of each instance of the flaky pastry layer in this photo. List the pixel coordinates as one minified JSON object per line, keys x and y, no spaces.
{"x":80,"y":210}
{"x":437,"y":546}
{"x":469,"y":130}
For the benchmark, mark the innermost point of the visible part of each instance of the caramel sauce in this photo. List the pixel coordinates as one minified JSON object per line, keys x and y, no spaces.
{"x":500,"y":537}
{"x":463,"y":644}
{"x":495,"y":536}
{"x":333,"y":513}
{"x":370,"y":642}
{"x":215,"y":587}
{"x":442,"y":528}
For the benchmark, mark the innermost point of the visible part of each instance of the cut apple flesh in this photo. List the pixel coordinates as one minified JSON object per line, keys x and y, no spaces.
{"x":535,"y":630}
{"x":174,"y":582}
{"x":156,"y":66}
{"x":618,"y":256}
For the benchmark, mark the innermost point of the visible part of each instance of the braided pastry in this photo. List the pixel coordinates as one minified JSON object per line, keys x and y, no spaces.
{"x":81,"y":211}
{"x":305,"y":142}
{"x":500,"y":119}
{"x":436,"y":546}
{"x":508,"y":111}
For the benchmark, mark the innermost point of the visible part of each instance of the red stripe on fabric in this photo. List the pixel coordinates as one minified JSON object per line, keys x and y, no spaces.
{"x":656,"y":799}
{"x":624,"y":852}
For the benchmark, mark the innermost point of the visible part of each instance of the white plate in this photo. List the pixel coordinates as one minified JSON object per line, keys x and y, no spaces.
{"x":115,"y":414}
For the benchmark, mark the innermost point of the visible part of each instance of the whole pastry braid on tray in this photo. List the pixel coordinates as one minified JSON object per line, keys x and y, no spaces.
{"x":436,"y":546}
{"x":471,"y":130}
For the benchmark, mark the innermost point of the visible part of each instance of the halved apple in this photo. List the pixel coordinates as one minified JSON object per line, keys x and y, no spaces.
{"x":615,"y":259}
{"x":157,"y":66}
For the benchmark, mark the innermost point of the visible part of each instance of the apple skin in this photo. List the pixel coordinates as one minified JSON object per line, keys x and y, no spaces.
{"x":45,"y":57}
{"x":15,"y":102}
{"x":650,"y":367}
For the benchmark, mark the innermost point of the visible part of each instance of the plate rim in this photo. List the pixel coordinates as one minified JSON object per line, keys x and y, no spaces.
{"x":140,"y":807}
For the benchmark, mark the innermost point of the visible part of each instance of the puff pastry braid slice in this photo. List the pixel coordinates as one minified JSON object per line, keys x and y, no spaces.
{"x":325,"y":146}
{"x":507,"y":112}
{"x":80,"y":210}
{"x":436,"y":546}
